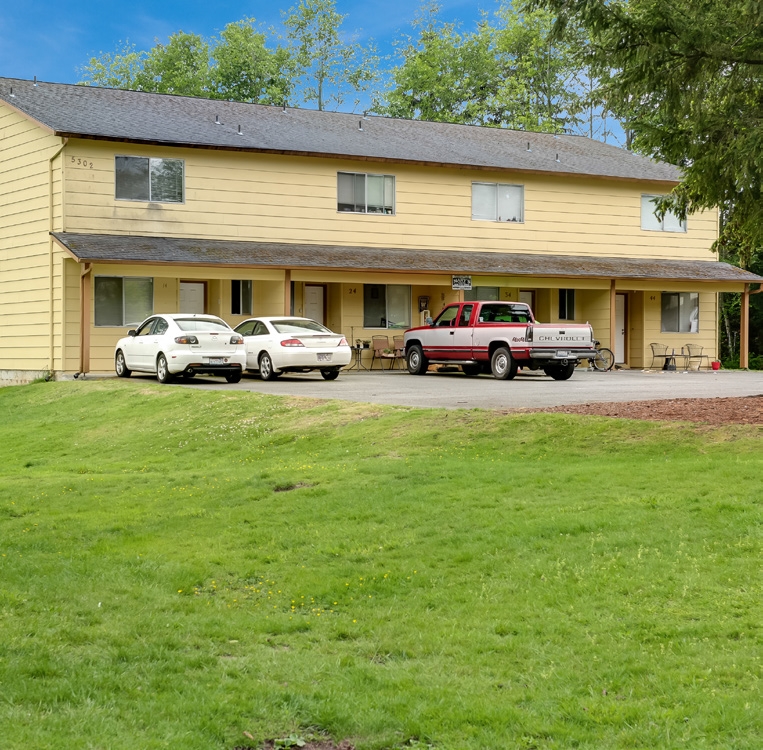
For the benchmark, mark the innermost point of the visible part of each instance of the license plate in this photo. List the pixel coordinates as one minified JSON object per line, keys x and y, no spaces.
{"x":216,"y":361}
{"x":561,"y":354}
{"x":324,"y":357}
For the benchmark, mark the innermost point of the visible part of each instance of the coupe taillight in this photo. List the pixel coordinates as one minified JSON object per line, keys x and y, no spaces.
{"x":291,"y":342}
{"x":236,"y":339}
{"x":186,"y":340}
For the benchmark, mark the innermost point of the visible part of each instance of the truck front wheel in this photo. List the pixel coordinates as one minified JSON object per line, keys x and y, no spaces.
{"x":503,"y":365}
{"x":560,"y":372}
{"x":417,"y":362}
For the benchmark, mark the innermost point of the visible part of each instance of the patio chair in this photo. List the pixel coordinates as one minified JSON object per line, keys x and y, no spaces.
{"x":659,"y":351}
{"x":382,"y":351}
{"x":694,"y":355}
{"x":398,"y":343}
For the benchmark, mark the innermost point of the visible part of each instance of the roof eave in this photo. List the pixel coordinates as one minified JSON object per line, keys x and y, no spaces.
{"x":358,"y":157}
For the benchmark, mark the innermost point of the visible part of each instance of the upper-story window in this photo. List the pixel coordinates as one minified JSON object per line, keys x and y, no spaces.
{"x":669,"y":223}
{"x":139,"y":178}
{"x":497,"y":202}
{"x":365,"y":193}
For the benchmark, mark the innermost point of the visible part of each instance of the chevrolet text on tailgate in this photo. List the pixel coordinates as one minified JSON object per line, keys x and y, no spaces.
{"x":498,"y":338}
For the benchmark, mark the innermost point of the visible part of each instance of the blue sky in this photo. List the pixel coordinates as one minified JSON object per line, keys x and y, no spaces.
{"x":51,"y":39}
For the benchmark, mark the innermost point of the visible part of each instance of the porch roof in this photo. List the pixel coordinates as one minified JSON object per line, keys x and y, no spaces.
{"x":186,"y":251}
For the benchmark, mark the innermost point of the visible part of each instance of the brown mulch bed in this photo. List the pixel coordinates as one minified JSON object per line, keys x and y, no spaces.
{"x":715,"y":411}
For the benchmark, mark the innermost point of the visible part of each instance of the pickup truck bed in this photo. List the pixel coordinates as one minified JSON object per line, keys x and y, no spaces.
{"x":498,"y":337}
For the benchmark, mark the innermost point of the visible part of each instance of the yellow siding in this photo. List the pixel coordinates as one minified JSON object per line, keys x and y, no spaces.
{"x":265,"y":197}
{"x":31,"y":304}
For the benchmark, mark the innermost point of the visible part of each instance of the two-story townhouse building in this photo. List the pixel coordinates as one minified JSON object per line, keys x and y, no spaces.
{"x":117,"y":204}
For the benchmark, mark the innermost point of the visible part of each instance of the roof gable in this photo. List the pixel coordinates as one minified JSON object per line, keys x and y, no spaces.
{"x":140,"y":117}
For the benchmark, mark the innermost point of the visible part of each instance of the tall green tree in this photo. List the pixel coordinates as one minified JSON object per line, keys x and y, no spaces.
{"x":686,"y":77}
{"x":236,"y":65}
{"x":245,"y":70}
{"x":446,"y":76}
{"x":328,"y":67}
{"x":117,"y":70}
{"x":182,"y":66}
{"x":509,"y":72}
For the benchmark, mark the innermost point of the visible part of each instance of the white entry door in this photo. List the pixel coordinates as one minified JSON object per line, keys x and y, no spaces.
{"x":528,"y":298}
{"x":620,"y":328}
{"x":313,"y":305}
{"x":191,"y":297}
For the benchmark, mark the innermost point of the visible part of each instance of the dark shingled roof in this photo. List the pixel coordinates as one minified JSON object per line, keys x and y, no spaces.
{"x":133,"y":116}
{"x":187,"y":251}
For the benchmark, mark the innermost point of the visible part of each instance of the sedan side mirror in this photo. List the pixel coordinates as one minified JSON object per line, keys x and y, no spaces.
{"x":132,"y":332}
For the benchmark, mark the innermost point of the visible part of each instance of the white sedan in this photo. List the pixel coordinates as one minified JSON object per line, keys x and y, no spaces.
{"x":278,"y":344}
{"x":170,"y":345}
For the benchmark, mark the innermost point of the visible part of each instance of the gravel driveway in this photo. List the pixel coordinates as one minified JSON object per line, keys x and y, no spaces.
{"x":527,"y":390}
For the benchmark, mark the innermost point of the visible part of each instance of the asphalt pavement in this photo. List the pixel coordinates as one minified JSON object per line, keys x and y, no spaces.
{"x":527,"y":390}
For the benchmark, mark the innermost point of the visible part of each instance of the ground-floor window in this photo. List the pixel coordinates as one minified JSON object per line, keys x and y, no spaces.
{"x":122,"y":300}
{"x":386,"y":306}
{"x":240,"y":297}
{"x":566,"y":304}
{"x":482,"y":293}
{"x":680,"y":312}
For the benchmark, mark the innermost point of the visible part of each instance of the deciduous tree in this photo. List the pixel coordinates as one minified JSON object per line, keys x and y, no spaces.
{"x":328,"y":67}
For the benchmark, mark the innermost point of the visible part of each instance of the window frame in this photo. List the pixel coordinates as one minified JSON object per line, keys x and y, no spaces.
{"x":496,"y":217}
{"x":150,"y":198}
{"x":646,"y":199}
{"x":386,"y":317}
{"x":125,"y":323}
{"x":366,"y":175}
{"x":566,"y":301}
{"x":690,"y":318}
{"x":241,"y":296}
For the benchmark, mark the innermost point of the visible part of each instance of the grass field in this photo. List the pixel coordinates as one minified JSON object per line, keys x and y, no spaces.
{"x":208,"y":570}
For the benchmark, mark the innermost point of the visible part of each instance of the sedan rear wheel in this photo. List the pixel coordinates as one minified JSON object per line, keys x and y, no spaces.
{"x":163,"y":374}
{"x":330,"y":374}
{"x":121,"y":366}
{"x":266,"y":367}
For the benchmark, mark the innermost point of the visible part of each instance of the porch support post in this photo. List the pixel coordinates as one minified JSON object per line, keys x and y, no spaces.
{"x":612,"y":313}
{"x":287,"y":292}
{"x":744,"y":329}
{"x":85,"y":297}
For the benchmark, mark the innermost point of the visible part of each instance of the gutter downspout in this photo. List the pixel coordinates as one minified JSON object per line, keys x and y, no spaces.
{"x":612,"y":313}
{"x":51,"y":228}
{"x":84,"y":318}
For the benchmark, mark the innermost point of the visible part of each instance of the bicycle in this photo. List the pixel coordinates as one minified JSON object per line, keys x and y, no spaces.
{"x":604,"y":359}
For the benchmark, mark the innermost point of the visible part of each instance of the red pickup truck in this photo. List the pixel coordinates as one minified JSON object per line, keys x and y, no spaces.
{"x":497,"y":337}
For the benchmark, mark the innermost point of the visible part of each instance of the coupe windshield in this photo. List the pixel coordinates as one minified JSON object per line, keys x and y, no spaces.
{"x":294,"y":325}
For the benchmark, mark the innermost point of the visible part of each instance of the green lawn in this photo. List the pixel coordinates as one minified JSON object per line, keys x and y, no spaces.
{"x":182,"y":567}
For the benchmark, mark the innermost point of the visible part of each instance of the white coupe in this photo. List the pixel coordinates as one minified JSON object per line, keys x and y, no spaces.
{"x":175,"y":344}
{"x":278,"y":344}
